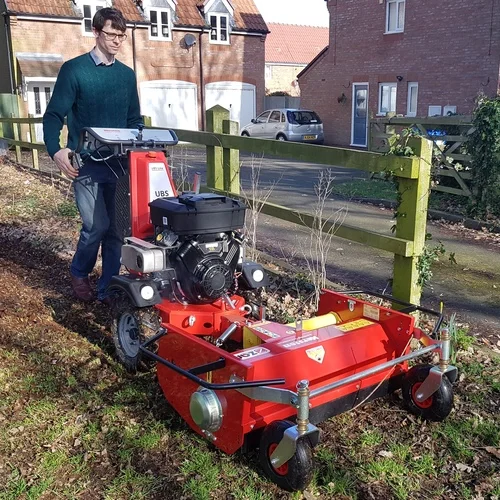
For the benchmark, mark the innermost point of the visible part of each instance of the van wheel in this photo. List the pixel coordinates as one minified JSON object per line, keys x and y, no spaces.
{"x":245,"y":134}
{"x":280,"y":137}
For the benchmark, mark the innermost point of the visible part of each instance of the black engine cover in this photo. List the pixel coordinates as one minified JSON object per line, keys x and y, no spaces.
{"x":205,"y":266}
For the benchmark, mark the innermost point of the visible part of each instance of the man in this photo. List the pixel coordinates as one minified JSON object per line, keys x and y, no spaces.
{"x":94,"y":90}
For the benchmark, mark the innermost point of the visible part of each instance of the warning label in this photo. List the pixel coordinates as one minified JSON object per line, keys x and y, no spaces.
{"x":371,"y":312}
{"x":316,"y":353}
{"x":354,"y":325}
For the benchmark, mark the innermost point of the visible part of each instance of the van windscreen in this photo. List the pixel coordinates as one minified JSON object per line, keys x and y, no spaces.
{"x":303,"y":117}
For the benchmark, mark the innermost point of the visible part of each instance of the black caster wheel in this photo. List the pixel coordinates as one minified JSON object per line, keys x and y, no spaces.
{"x":295,"y":474}
{"x":130,"y":327}
{"x":438,"y":406}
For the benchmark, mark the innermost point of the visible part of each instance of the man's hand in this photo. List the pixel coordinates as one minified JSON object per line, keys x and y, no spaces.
{"x":61,"y":159}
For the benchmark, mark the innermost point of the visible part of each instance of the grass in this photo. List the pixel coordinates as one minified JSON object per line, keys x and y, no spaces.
{"x":379,"y":189}
{"x":74,"y":424}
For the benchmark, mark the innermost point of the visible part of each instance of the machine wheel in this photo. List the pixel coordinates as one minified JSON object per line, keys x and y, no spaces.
{"x":438,"y":406}
{"x":130,"y":327}
{"x":295,"y":474}
{"x":280,"y":137}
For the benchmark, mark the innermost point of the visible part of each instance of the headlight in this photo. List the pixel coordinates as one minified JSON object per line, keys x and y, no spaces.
{"x":147,"y":292}
{"x":258,"y":275}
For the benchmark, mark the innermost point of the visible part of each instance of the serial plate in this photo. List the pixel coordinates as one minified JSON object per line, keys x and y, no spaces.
{"x":309,"y":137}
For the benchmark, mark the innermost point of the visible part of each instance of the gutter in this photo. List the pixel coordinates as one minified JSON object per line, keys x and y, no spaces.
{"x":202,"y":81}
{"x":43,"y":16}
{"x":134,"y":65}
{"x":9,"y":50}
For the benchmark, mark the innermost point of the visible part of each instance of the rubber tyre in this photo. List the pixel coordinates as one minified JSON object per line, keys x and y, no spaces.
{"x":130,"y":327}
{"x":295,"y":474}
{"x":435,"y":408}
{"x":245,"y":134}
{"x":281,"y":137}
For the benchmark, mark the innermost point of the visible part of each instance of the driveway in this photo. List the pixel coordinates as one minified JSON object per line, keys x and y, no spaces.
{"x":470,"y":287}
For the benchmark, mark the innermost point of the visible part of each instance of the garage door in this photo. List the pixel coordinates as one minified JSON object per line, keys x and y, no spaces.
{"x":170,"y":103}
{"x":238,"y":98}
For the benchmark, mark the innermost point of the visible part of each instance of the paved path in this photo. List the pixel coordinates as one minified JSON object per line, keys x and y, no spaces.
{"x":471,"y":287}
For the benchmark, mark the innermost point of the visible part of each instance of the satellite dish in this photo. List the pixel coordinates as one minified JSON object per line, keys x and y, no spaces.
{"x":189,"y":40}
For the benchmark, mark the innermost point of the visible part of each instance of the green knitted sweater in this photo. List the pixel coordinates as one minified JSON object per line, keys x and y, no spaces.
{"x":90,"y":96}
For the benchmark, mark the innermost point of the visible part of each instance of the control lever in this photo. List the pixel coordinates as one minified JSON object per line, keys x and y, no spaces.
{"x":140,"y":128}
{"x":76,"y":161}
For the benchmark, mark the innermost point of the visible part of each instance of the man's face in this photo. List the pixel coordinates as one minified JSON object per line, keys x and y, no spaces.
{"x":109,"y":40}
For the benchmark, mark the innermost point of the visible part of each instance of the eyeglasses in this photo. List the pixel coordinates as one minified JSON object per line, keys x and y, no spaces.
{"x":113,"y":36}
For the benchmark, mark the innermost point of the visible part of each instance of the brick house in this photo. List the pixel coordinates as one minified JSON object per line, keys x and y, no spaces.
{"x":412,"y":58}
{"x":188,"y":55}
{"x":287,"y":54}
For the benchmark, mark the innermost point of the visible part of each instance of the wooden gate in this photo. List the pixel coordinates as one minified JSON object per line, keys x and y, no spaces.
{"x":449,"y":135}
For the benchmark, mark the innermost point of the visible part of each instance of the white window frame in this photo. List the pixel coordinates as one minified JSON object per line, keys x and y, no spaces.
{"x":159,"y":24}
{"x":391,"y":85}
{"x":412,"y":86}
{"x":218,"y":28}
{"x":400,"y":24}
{"x":94,"y":5}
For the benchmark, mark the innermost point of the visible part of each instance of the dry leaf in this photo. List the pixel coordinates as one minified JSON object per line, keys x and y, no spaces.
{"x":464,"y":468}
{"x":385,"y":454}
{"x":493,"y":451}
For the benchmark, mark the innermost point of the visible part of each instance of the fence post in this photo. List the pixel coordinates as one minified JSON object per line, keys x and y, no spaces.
{"x":215,"y":173}
{"x":4,"y":145}
{"x":15,"y":128}
{"x":147,"y":121}
{"x":411,"y":223}
{"x":231,"y":160}
{"x":34,"y":152}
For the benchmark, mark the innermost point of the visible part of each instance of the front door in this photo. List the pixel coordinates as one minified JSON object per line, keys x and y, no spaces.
{"x":39,"y":94}
{"x":359,"y":114}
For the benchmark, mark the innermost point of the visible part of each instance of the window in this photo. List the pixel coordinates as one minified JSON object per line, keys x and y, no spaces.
{"x":219,"y":24}
{"x":434,"y":111}
{"x":161,"y":28}
{"x":412,"y":99}
{"x":395,"y":16}
{"x":262,"y":118}
{"x":89,"y":9}
{"x":38,"y":107}
{"x":303,"y":117}
{"x":47,"y":95}
{"x":275,"y":117}
{"x":387,"y":98}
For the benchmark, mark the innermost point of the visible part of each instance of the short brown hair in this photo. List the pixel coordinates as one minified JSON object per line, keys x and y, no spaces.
{"x":118,"y":22}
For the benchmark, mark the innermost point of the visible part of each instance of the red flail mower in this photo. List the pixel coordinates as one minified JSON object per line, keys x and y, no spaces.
{"x":237,"y":379}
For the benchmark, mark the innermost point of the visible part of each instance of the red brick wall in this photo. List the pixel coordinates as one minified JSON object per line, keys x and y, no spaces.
{"x":242,"y":61}
{"x":451,"y":48}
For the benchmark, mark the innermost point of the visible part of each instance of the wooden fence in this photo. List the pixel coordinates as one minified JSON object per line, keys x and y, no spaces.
{"x":450,"y":159}
{"x":223,"y":170}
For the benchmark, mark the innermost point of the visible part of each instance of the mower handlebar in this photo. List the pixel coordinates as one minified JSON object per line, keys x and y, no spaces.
{"x":204,"y":383}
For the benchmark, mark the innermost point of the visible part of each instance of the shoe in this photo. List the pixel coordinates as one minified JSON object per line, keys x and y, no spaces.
{"x":82,"y":289}
{"x":107,"y":301}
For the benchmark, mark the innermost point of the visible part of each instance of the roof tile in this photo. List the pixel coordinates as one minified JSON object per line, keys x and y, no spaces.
{"x":294,"y":44}
{"x":247,"y":16}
